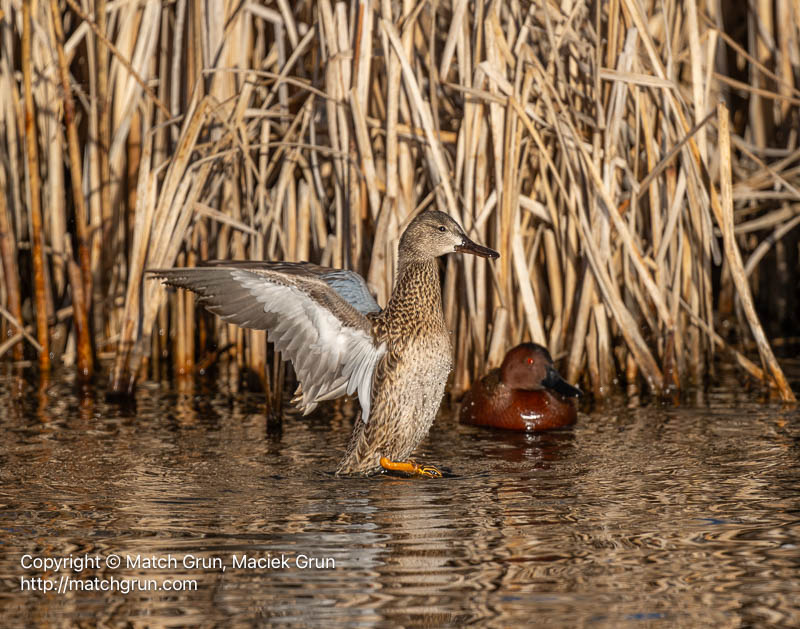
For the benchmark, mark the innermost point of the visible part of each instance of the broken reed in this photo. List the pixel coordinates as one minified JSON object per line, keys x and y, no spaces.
{"x":584,"y":141}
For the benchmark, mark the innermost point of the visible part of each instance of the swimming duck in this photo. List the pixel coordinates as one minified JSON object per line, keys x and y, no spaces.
{"x":340,"y":342}
{"x":525,"y":393}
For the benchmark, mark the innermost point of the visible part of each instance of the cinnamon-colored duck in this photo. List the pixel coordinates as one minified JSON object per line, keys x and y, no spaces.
{"x":525,"y":393}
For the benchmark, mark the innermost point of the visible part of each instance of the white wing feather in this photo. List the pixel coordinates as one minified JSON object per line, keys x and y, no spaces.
{"x":330,"y":357}
{"x":326,"y":337}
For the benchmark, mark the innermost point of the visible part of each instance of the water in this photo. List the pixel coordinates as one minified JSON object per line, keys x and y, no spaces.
{"x":657,"y":516}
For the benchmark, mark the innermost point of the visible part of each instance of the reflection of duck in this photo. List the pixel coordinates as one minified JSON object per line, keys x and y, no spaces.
{"x":340,"y":341}
{"x":525,"y":393}
{"x":536,"y":450}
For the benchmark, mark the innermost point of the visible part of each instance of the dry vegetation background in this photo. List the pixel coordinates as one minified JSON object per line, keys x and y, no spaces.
{"x":635,"y":162}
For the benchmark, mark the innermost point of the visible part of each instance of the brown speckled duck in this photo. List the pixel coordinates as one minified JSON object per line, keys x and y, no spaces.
{"x":340,"y":341}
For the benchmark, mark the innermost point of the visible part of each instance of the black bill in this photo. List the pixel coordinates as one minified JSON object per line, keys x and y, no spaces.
{"x":554,"y":381}
{"x":467,"y":246}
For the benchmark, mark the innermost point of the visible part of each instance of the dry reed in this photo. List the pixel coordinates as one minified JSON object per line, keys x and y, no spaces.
{"x":589,"y":143}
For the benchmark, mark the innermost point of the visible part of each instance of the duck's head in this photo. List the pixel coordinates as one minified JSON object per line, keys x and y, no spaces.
{"x":432,"y":234}
{"x":529,"y":366}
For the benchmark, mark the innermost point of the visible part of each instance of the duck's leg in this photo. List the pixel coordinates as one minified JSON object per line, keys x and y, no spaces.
{"x":409,"y":467}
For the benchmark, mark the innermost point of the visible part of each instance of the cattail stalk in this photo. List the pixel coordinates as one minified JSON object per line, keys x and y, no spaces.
{"x":35,"y":211}
{"x":81,"y":306}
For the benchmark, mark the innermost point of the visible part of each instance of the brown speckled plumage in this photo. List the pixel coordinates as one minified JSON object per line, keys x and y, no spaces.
{"x":410,"y":379}
{"x":339,"y":341}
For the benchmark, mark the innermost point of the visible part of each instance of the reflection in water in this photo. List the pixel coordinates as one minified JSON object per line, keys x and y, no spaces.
{"x":655,"y":516}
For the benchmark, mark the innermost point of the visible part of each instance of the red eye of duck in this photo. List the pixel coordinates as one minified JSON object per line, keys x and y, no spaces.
{"x":530,"y":361}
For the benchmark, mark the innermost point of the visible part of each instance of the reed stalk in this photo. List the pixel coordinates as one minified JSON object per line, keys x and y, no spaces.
{"x":8,"y":258}
{"x":80,"y":293}
{"x":641,"y":227}
{"x":34,"y":192}
{"x":100,"y":110}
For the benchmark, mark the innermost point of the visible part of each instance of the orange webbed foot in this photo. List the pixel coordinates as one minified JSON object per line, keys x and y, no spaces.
{"x":410,"y":467}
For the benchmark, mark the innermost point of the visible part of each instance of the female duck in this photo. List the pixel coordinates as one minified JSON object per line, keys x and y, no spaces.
{"x":525,"y":393}
{"x":340,"y":341}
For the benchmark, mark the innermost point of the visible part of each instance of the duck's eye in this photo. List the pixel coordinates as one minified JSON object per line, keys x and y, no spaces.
{"x":442,"y":228}
{"x":530,"y":361}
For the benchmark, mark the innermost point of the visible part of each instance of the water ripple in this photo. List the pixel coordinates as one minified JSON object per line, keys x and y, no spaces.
{"x":644,"y":517}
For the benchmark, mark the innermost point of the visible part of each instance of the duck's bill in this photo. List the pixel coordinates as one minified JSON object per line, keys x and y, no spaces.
{"x":555,"y":382}
{"x":467,"y":246}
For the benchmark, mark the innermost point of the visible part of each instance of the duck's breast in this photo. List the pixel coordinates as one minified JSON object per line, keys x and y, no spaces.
{"x":410,"y":390}
{"x":541,"y":410}
{"x":491,"y":403}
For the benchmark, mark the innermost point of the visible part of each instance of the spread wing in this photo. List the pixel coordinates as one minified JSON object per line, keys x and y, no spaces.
{"x":327,"y":339}
{"x":349,"y":285}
